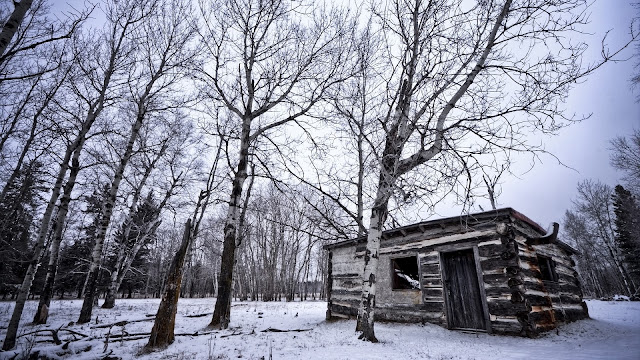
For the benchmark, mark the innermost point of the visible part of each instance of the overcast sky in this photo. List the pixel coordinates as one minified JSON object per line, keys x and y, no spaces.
{"x":544,"y":193}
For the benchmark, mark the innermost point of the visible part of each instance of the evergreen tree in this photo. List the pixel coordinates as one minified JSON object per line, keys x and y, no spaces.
{"x":627,"y":230}
{"x":74,"y":258}
{"x":128,"y":260}
{"x":17,"y":213}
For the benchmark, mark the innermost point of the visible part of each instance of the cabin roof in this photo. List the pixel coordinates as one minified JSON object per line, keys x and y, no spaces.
{"x":470,"y":220}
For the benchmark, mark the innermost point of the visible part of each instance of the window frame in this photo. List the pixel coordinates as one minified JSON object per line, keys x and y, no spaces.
{"x":549,"y":266}
{"x":394,"y":276}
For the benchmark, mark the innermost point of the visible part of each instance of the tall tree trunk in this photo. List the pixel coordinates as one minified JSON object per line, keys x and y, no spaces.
{"x":105,"y":220}
{"x":107,"y":210}
{"x":23,"y":294}
{"x":368,"y":299}
{"x":221,"y":312}
{"x":392,"y":166}
{"x":54,"y":250}
{"x":114,"y":284}
{"x":162,"y":332}
{"x":121,"y":267}
{"x":11,"y":26}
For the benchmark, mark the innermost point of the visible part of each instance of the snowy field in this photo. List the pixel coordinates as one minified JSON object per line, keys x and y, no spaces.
{"x":613,"y":332}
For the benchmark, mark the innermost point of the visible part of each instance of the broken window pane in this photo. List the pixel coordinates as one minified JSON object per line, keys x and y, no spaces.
{"x":547,"y":268}
{"x":405,"y":273}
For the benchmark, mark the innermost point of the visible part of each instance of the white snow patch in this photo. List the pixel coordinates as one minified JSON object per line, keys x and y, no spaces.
{"x":613,"y":332}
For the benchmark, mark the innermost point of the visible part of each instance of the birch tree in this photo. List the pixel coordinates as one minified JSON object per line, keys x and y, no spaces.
{"x":625,"y":156}
{"x":13,"y":22}
{"x":271,"y":63}
{"x":136,"y":235}
{"x":95,"y":104}
{"x":465,"y":79}
{"x":158,"y":64}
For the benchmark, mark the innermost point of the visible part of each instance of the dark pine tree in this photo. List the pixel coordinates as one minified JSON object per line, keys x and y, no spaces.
{"x":128,"y":256}
{"x":627,"y":223}
{"x":74,"y":258}
{"x":17,"y":213}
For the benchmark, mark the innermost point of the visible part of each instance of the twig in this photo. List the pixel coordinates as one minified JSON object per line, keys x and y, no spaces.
{"x":121,"y":323}
{"x":279,"y":330}
{"x":198,"y":315}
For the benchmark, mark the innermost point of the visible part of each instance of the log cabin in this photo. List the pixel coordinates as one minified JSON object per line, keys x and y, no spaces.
{"x":496,"y":271}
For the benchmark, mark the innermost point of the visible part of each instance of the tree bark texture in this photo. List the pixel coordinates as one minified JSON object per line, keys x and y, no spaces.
{"x":12,"y":329}
{"x":105,"y":219}
{"x":11,"y":26}
{"x":221,"y":312}
{"x":162,"y":333}
{"x":54,"y":250}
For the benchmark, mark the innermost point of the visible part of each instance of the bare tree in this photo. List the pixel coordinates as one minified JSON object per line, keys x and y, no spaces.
{"x":176,"y":141}
{"x":162,"y":333}
{"x":591,"y":225}
{"x":492,"y":182}
{"x":625,"y":156}
{"x":450,"y":67}
{"x":271,"y":63}
{"x":159,"y":65}
{"x":11,"y":25}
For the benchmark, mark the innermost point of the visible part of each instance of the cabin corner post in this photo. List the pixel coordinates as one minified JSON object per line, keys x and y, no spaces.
{"x":583,"y":304}
{"x":510,"y":253}
{"x":329,"y":283}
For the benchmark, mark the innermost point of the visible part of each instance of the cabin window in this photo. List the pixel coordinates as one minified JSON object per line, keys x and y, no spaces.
{"x":547,"y":268}
{"x":405,"y":273}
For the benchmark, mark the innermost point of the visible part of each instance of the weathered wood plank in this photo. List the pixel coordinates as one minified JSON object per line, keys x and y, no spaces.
{"x":432,"y":258}
{"x":431,"y":270}
{"x":412,"y":243}
{"x":354,"y":267}
{"x":465,"y":309}
{"x":490,"y":251}
{"x":496,"y":263}
{"x":495,"y":279}
{"x":344,"y":310}
{"x":506,"y":326}
{"x":433,"y":306}
{"x":432,"y":292}
{"x":537,"y":300}
{"x":497,"y":291}
{"x":431,"y":281}
{"x":338,"y":293}
{"x":408,"y":316}
{"x":345,"y":298}
{"x":503,"y":307}
{"x":347,"y":284}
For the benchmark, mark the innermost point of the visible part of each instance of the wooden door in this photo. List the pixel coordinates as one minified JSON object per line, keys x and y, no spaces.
{"x":464,"y":304}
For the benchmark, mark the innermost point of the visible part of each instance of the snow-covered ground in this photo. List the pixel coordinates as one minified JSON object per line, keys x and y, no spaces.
{"x":613,"y":332}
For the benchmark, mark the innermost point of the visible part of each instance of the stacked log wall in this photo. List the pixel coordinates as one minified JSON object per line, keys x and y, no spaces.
{"x":500,"y":273}
{"x":518,"y":302}
{"x":346,"y":284}
{"x":565,"y":294}
{"x":432,"y":289}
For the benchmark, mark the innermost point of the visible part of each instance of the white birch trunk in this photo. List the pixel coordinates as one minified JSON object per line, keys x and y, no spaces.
{"x":11,"y":26}
{"x":12,"y":329}
{"x":221,"y":312}
{"x":105,"y":219}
